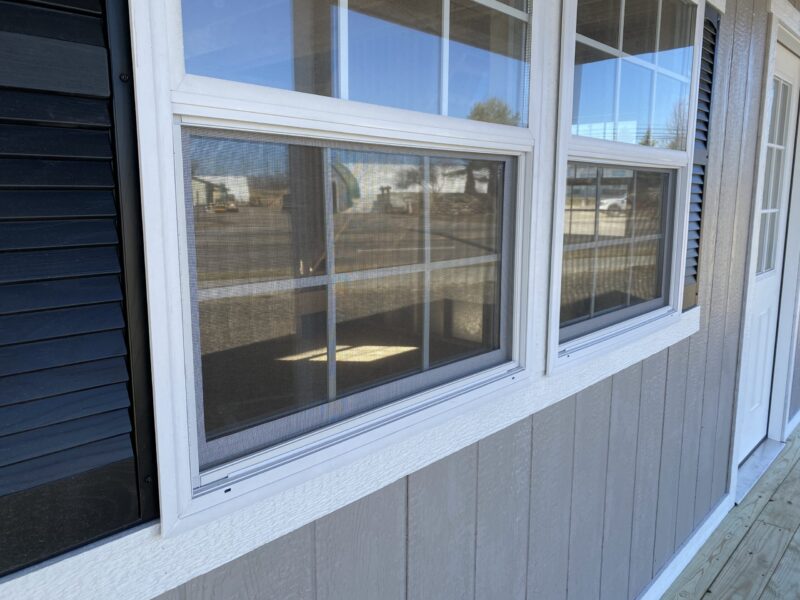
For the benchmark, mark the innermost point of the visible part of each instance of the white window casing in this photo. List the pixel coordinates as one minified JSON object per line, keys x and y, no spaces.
{"x":572,"y":147}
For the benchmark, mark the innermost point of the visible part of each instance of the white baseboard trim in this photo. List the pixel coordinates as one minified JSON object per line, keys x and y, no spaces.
{"x":688,"y":551}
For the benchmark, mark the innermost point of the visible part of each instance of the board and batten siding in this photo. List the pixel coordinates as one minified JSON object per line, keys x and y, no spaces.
{"x":590,"y":498}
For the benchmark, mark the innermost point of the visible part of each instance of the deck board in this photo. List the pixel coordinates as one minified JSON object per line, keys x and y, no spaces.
{"x":755,"y":552}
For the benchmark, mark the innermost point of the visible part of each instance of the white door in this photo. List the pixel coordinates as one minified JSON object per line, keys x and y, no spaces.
{"x":766,"y":264}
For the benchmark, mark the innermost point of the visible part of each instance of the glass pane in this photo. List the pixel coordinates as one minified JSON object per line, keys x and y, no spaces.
{"x":635,"y":104}
{"x":645,"y":272}
{"x":627,"y":275}
{"x":252,"y":349}
{"x":258,"y":210}
{"x":614,"y":237}
{"x":671,"y":116}
{"x":580,"y":220}
{"x":599,"y":20}
{"x":577,"y":279}
{"x":594,"y":93}
{"x":641,"y":25}
{"x":466,"y":200}
{"x":378,"y":209}
{"x":611,"y":286}
{"x":763,"y":233}
{"x":488,"y":64}
{"x":394,"y":53}
{"x":676,"y":40}
{"x":615,"y":204}
{"x":774,"y":168}
{"x":279,"y":43}
{"x":651,"y":188}
{"x":465,"y":318}
{"x":617,"y":102}
{"x":378,"y":331}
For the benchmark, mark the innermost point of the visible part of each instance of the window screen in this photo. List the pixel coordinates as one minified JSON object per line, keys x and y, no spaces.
{"x":329,"y":280}
{"x":616,"y":245}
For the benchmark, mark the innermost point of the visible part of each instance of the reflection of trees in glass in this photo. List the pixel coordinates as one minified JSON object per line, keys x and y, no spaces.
{"x":494,"y":110}
{"x":678,"y":125}
{"x":647,"y":139}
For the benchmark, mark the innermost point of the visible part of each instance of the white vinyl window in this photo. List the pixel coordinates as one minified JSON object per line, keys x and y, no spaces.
{"x":338,"y":233}
{"x":628,"y":95}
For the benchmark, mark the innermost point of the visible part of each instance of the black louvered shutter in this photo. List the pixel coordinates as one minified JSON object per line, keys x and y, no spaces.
{"x":76,"y":459}
{"x":707,"y":61}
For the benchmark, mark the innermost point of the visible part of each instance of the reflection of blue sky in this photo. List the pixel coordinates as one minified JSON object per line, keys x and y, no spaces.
{"x":593,"y":103}
{"x":393,"y":65}
{"x":249,"y":40}
{"x":477,"y":75}
{"x":252,"y":41}
{"x":677,"y":60}
{"x":219,"y":156}
{"x":634,"y":102}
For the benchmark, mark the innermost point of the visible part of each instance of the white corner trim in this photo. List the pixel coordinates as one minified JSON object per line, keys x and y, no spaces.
{"x":681,"y":560}
{"x":718,"y":4}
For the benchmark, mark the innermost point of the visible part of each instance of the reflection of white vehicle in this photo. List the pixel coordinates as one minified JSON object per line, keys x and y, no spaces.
{"x":614,"y":206}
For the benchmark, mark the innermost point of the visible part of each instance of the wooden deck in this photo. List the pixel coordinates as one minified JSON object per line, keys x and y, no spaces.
{"x":755,"y":552}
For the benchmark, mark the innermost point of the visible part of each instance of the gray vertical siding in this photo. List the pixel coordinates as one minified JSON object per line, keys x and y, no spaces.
{"x":591,"y":497}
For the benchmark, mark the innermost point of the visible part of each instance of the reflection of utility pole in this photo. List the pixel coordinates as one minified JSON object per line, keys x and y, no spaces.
{"x":313,"y":44}
{"x":306,"y":179}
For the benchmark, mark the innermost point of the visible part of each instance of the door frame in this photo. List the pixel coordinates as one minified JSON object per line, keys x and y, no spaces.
{"x":783,"y":28}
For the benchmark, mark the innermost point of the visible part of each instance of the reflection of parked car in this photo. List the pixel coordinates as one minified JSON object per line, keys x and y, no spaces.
{"x":231,"y":207}
{"x":614,"y":206}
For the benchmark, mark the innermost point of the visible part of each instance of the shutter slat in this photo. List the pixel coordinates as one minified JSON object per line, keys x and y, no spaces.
{"x":43,"y":295}
{"x":23,"y":235}
{"x":31,"y":173}
{"x":35,"y":107}
{"x":31,"y":473}
{"x":43,"y":325}
{"x":60,"y":409}
{"x":36,"y":356}
{"x":36,"y":204}
{"x":62,"y":436}
{"x":57,"y":264}
{"x":61,"y":380}
{"x":53,"y":142}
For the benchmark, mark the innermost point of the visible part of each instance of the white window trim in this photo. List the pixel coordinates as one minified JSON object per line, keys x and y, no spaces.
{"x":577,"y":148}
{"x":189,"y":497}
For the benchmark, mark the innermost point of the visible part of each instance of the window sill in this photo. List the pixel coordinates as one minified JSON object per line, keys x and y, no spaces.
{"x":635,"y":338}
{"x":160,"y":563}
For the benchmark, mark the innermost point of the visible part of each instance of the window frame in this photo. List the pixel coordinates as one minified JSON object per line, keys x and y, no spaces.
{"x":170,"y":99}
{"x":575,"y":148}
{"x":214,"y":451}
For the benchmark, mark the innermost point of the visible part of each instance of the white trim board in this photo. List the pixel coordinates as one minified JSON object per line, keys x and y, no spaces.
{"x":681,"y":560}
